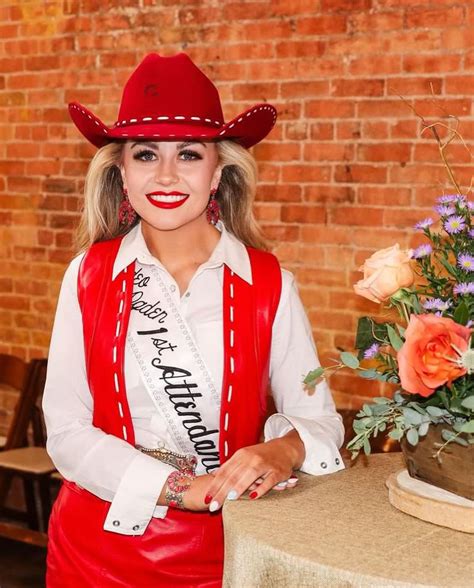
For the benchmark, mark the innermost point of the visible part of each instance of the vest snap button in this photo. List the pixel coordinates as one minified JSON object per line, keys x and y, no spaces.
{"x":116,"y":523}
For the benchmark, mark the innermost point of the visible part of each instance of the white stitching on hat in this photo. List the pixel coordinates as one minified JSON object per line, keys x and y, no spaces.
{"x":179,"y":117}
{"x":146,"y":118}
{"x":195,"y":118}
{"x":133,"y":120}
{"x":162,"y":118}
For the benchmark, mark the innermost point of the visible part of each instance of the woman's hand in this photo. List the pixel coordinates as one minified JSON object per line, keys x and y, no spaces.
{"x":273,"y":462}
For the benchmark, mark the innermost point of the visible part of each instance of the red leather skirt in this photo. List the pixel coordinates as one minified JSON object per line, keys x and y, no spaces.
{"x":185,"y":549}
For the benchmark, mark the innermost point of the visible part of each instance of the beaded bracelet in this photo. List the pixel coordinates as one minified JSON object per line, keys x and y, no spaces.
{"x":177,"y":487}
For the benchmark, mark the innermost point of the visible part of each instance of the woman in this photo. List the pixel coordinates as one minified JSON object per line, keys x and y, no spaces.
{"x":168,"y":329}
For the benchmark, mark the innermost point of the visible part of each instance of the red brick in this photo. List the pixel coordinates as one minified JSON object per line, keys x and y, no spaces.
{"x":358,"y":173}
{"x":375,"y":65}
{"x":371,"y":217}
{"x":347,"y":87}
{"x":344,"y":5}
{"x":305,"y":173}
{"x":311,"y":49}
{"x":329,"y":109}
{"x":415,"y":86}
{"x":399,"y":152}
{"x":430,"y":63}
{"x":294,"y":213}
{"x":431,"y":18}
{"x":369,"y":22}
{"x":321,"y":25}
{"x":328,"y":152}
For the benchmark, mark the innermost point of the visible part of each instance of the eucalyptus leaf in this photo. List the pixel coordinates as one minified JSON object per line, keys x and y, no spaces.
{"x":435,"y":411}
{"x":349,"y":359}
{"x":381,"y":400}
{"x":368,"y":374}
{"x":412,"y":417}
{"x":447,"y":435}
{"x":395,"y":340}
{"x":412,"y":436}
{"x":366,"y":446}
{"x":312,"y":376}
{"x":396,"y":434}
{"x":468,"y":427}
{"x":468,"y":402}
{"x":423,"y":429}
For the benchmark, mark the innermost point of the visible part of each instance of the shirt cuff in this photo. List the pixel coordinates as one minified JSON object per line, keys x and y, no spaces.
{"x":134,"y":503}
{"x":321,"y":452}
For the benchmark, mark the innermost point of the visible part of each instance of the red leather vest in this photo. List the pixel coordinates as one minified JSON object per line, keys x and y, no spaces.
{"x":249,"y":311}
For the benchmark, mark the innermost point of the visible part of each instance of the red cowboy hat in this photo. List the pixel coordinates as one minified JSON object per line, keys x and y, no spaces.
{"x":171,"y":98}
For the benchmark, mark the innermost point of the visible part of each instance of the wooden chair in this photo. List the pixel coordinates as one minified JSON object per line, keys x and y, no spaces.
{"x":31,"y":463}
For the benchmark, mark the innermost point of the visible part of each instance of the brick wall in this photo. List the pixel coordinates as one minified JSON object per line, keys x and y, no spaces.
{"x":344,"y":172}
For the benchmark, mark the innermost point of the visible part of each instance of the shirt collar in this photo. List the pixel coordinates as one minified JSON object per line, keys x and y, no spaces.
{"x":229,"y":251}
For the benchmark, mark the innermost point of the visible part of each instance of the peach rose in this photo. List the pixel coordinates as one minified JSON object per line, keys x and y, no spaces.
{"x":428,"y":359}
{"x":385,"y":272}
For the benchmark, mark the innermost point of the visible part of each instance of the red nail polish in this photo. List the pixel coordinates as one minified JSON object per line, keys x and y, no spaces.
{"x":253,"y":495}
{"x":208,"y":499}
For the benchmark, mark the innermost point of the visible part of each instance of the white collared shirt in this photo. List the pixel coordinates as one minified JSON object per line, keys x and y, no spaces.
{"x":117,"y":472}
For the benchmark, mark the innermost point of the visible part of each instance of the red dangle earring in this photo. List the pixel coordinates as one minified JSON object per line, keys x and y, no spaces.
{"x":212,"y":211}
{"x":127,"y":214}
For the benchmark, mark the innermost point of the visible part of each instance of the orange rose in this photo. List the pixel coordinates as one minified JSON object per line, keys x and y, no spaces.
{"x":385,"y":272}
{"x":428,"y":358}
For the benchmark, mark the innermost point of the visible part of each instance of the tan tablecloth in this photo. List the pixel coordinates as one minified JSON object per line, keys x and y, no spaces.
{"x":341,"y":531}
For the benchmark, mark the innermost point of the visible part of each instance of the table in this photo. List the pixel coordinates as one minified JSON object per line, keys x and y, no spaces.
{"x":340,"y":531}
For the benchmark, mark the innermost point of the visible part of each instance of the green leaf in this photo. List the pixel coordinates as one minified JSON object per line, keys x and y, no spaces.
{"x":468,"y":427}
{"x":423,"y":429}
{"x":366,"y":446}
{"x":435,"y":411}
{"x":368,"y":332}
{"x":447,"y":435}
{"x":396,"y":434}
{"x":350,"y":360}
{"x":468,"y":402}
{"x":461,"y":314}
{"x":448,"y":266}
{"x":381,"y":400}
{"x":313,"y":376}
{"x":395,"y":339}
{"x":412,"y":436}
{"x":368,"y":374}
{"x":412,"y":417}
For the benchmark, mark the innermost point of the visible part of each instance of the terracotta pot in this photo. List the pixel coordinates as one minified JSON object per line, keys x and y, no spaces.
{"x":456,"y":470}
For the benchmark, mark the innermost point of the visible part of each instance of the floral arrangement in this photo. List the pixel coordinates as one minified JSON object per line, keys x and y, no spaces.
{"x":425,"y":348}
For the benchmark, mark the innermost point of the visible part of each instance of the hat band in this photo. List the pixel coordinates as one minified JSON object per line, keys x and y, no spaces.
{"x":172,"y":119}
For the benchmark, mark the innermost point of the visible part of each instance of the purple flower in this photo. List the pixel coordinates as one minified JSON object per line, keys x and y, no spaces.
{"x":466,"y":262}
{"x":471,"y":233}
{"x":422,"y":251}
{"x":444,"y":210}
{"x":464,"y":288}
{"x":454,"y":224}
{"x":470,"y":205}
{"x":448,"y":198}
{"x":424,"y":224}
{"x":436,"y":304}
{"x":372,"y":351}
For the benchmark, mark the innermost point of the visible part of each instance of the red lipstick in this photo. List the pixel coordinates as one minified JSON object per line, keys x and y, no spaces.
{"x":162,"y":199}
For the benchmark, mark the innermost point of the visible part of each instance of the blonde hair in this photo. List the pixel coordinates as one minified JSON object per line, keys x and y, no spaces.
{"x":103,"y":195}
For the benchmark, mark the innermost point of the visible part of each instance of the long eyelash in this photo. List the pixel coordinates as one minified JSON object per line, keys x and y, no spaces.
{"x":141,"y":153}
{"x":191,"y":153}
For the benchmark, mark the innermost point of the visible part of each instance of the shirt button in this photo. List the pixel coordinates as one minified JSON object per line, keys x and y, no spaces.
{"x":136,"y":527}
{"x":188,"y":294}
{"x":324,"y":465}
{"x":173,"y":288}
{"x":337,"y":461}
{"x":116,"y":523}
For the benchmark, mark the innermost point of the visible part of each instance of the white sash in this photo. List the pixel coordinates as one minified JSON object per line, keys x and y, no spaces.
{"x":173,"y":370}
